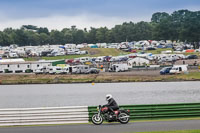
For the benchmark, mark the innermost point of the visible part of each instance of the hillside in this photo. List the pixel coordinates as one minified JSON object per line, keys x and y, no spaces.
{"x":92,"y":52}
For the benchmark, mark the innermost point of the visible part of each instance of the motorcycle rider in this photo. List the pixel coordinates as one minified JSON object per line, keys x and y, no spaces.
{"x":112,"y":104}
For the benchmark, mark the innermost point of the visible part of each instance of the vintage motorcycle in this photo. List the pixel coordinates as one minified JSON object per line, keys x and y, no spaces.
{"x":103,"y":114}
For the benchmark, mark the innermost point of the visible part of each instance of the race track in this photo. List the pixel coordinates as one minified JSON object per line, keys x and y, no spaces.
{"x":108,"y":128}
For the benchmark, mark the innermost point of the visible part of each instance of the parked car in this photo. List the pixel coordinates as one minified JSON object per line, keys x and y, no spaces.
{"x":165,"y":70}
{"x":151,"y":48}
{"x":123,"y":59}
{"x":93,"y":71}
{"x":133,"y":51}
{"x":192,"y":57}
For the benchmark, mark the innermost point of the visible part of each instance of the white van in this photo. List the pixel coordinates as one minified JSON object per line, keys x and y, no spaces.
{"x":65,"y":70}
{"x":72,"y":69}
{"x":55,"y":70}
{"x":179,"y":69}
{"x":118,"y":68}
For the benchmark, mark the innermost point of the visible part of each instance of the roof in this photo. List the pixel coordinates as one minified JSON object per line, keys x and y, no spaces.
{"x":12,"y":60}
{"x":27,"y":62}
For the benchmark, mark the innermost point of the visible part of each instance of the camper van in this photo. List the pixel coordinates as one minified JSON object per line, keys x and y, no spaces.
{"x":55,"y":70}
{"x":118,"y":68}
{"x":178,"y":69}
{"x":82,"y":69}
{"x":13,"y":55}
{"x":72,"y":69}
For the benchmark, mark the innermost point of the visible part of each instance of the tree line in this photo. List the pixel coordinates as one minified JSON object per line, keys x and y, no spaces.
{"x":181,"y":25}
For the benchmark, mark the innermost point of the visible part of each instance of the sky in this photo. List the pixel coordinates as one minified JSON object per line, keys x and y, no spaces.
{"x":59,"y":14}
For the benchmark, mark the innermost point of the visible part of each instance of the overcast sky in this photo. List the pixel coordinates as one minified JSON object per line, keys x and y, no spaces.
{"x":59,"y":14}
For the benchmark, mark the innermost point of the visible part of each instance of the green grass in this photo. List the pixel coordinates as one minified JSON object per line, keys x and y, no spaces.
{"x":159,"y":50}
{"x":193,"y":53}
{"x":191,"y":75}
{"x":178,"y":131}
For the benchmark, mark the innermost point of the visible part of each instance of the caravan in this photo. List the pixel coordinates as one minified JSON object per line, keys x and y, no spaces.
{"x":82,"y":69}
{"x":72,"y":69}
{"x":118,"y":68}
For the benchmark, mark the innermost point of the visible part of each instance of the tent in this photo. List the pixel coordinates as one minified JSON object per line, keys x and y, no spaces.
{"x":138,"y":61}
{"x":189,"y":50}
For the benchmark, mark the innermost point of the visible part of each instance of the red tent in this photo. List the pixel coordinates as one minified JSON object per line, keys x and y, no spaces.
{"x":189,"y":50}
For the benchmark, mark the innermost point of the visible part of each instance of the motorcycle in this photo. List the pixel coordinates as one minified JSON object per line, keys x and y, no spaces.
{"x":103,"y":114}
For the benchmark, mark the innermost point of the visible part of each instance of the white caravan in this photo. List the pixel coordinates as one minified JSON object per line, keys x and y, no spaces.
{"x":72,"y":69}
{"x":82,"y":69}
{"x":118,"y":68}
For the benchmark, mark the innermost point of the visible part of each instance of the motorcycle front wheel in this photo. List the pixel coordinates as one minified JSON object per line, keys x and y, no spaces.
{"x":124,"y":118}
{"x":97,"y":119}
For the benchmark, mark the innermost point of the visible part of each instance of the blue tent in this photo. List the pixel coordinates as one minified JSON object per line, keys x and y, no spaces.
{"x":169,"y":46}
{"x":94,"y":46}
{"x":62,"y":47}
{"x":160,"y":46}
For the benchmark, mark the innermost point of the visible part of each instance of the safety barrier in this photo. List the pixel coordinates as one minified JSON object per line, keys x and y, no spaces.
{"x":158,"y":111}
{"x":82,"y":114}
{"x":47,"y":115}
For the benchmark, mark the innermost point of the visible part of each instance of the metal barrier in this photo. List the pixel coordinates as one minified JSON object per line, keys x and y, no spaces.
{"x":158,"y":111}
{"x":82,"y":114}
{"x":47,"y":115}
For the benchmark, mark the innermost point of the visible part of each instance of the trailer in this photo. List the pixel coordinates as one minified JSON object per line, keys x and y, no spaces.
{"x":82,"y":69}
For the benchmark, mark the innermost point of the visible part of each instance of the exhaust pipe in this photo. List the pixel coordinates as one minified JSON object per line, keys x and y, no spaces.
{"x":124,"y":117}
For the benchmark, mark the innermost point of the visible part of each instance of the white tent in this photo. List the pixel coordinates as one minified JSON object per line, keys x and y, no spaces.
{"x":138,"y":61}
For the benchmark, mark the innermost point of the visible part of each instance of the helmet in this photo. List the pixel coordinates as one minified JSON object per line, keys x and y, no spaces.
{"x":108,"y":97}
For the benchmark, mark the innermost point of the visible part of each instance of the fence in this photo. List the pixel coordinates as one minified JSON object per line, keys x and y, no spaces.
{"x":83,"y":114}
{"x":159,"y":111}
{"x":49,"y":115}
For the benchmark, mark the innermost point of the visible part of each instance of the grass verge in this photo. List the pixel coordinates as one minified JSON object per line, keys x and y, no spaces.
{"x":97,"y":78}
{"x":177,"y":131}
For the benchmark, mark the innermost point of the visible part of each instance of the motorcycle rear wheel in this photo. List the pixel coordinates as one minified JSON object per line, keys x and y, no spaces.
{"x":97,"y":120}
{"x":123,"y":120}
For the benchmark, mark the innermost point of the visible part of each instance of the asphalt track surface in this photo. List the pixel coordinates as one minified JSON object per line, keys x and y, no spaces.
{"x":108,"y":127}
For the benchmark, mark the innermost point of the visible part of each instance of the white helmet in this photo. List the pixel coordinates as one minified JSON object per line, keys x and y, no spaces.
{"x":108,"y":97}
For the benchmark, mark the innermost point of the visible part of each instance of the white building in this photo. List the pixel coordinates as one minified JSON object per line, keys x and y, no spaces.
{"x":18,"y":67}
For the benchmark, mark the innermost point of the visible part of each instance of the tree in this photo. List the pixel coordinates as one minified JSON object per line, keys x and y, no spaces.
{"x":56,"y":37}
{"x":101,"y":34}
{"x":143,"y":31}
{"x":44,"y":38}
{"x":91,"y":35}
{"x":159,"y":16}
{"x":43,"y":30}
{"x":183,"y":25}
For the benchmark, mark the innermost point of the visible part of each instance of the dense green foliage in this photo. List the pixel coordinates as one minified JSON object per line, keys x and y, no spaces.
{"x":182,"y":25}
